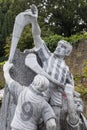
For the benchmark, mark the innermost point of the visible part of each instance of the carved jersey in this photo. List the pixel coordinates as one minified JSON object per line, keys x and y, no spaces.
{"x":31,"y":106}
{"x":54,"y":66}
{"x":57,"y":69}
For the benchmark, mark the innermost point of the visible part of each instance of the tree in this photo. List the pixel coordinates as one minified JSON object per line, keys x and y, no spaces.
{"x":66,"y":17}
{"x":63,"y":17}
{"x":4,"y":32}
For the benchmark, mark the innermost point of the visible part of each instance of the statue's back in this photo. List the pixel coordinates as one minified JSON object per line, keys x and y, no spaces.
{"x":24,"y":76}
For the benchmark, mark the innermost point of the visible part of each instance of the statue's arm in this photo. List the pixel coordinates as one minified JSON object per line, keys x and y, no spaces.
{"x":14,"y":87}
{"x":36,"y":33}
{"x":24,"y":18}
{"x":6,"y":68}
{"x":32,"y":63}
{"x":69,"y":90}
{"x":72,"y":117}
{"x":48,"y":116}
{"x":51,"y":124}
{"x":21,"y":20}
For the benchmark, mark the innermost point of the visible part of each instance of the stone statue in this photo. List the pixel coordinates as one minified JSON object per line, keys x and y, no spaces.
{"x":65,"y":121}
{"x":40,"y":60}
{"x":79,"y":108}
{"x":22,"y":74}
{"x":31,"y":105}
{"x":58,"y":71}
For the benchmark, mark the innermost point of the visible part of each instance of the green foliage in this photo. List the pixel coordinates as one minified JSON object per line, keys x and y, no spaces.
{"x":67,"y":16}
{"x":85,"y":70}
{"x":6,"y":20}
{"x":2,"y":83}
{"x":2,"y":63}
{"x":7,"y":46}
{"x":26,"y":40}
{"x":77,"y":78}
{"x":55,"y":17}
{"x":74,"y":39}
{"x":52,"y":40}
{"x":81,"y":89}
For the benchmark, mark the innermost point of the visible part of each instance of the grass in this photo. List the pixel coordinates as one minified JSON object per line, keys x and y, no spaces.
{"x":2,"y":82}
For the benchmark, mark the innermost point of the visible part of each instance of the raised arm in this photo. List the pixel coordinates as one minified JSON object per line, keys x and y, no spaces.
{"x":29,"y":16}
{"x":36,"y":32}
{"x":14,"y":87}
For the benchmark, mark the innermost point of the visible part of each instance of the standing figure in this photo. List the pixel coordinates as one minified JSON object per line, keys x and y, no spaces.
{"x":31,"y":106}
{"x":55,"y":67}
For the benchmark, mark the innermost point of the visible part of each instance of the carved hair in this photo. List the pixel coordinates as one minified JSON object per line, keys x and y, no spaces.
{"x":67,"y":45}
{"x":40,"y":82}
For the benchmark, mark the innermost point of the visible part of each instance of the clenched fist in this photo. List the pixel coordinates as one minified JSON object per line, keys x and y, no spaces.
{"x":51,"y":124}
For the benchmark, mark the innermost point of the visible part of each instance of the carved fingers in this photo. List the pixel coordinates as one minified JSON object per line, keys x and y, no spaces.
{"x":32,"y":12}
{"x":51,"y":124}
{"x":34,"y":9}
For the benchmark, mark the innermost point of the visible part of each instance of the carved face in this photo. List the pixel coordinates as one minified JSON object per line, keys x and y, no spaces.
{"x":60,"y":50}
{"x":78,"y":104}
{"x":63,"y":49}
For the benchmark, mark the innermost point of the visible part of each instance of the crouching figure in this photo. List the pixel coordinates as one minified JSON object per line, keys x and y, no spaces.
{"x":31,"y":106}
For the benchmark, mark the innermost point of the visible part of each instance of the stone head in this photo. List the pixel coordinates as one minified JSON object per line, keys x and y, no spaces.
{"x":40,"y":83}
{"x":78,"y":104}
{"x":63,"y":49}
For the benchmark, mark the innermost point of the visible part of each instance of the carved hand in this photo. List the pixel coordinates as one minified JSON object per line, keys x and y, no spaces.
{"x":51,"y":124}
{"x":32,"y":13}
{"x":34,"y":10}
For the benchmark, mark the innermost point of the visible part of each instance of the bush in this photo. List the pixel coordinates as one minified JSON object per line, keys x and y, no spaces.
{"x":2,"y":82}
{"x":52,"y":40}
{"x":26,"y":40}
{"x":81,"y":89}
{"x":85,"y":70}
{"x":2,"y":85}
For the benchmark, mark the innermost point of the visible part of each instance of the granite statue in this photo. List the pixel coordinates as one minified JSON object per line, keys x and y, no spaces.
{"x":31,"y":106}
{"x":39,"y":60}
